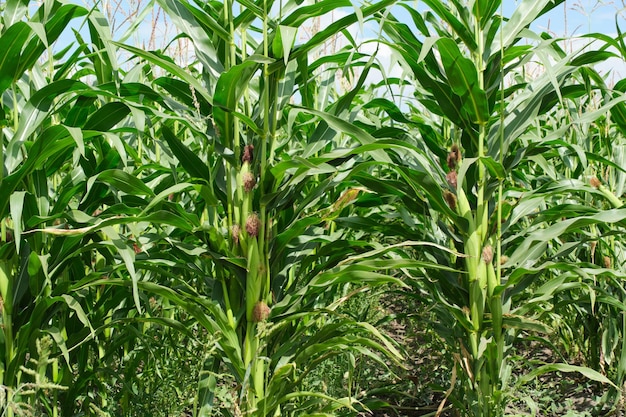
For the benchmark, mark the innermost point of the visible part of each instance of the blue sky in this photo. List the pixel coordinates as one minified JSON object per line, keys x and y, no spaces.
{"x":583,"y":16}
{"x":573,"y":18}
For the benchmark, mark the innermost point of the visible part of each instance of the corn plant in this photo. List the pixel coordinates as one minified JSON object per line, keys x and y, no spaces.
{"x":69,"y":184}
{"x":95,"y":222}
{"x":233,"y":202}
{"x":474,"y":175}
{"x":30,"y":137}
{"x":265,"y":181}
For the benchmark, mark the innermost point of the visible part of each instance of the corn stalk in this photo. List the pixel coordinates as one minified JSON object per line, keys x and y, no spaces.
{"x":463,"y":173}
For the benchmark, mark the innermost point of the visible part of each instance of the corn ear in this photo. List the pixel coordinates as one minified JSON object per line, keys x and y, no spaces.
{"x":615,"y":201}
{"x":481,"y":275}
{"x":492,"y":280}
{"x":246,"y":201}
{"x":253,"y":280}
{"x":4,"y":287}
{"x":472,"y":250}
{"x":472,"y":244}
{"x":463,"y":207}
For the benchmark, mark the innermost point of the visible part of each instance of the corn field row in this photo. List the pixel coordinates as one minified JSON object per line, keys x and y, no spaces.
{"x":227,"y":213}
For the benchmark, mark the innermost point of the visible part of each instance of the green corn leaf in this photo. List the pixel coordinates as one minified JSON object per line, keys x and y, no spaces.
{"x":182,"y":91}
{"x":163,"y":195}
{"x":250,"y":7}
{"x":208,"y":314}
{"x":563,"y":367}
{"x":485,"y":10}
{"x":58,"y":22}
{"x":463,"y":79}
{"x":592,"y":57}
{"x":14,"y":11}
{"x":53,"y":141}
{"x":525,"y":323}
{"x":34,"y":113}
{"x":170,"y":67}
{"x":55,"y":333}
{"x":304,"y":13}
{"x":185,"y":223}
{"x":525,"y":13}
{"x":334,"y":28}
{"x":122,"y":181}
{"x":343,"y":126}
{"x":11,"y":42}
{"x":16,"y":201}
{"x":284,"y":41}
{"x":78,"y":310}
{"x":538,"y":238}
{"x":207,"y":385}
{"x":127,"y":254}
{"x":230,"y":86}
{"x":197,"y":26}
{"x":106,"y":117}
{"x":465,"y":33}
{"x":189,"y":160}
{"x":449,"y":104}
{"x":105,"y":54}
